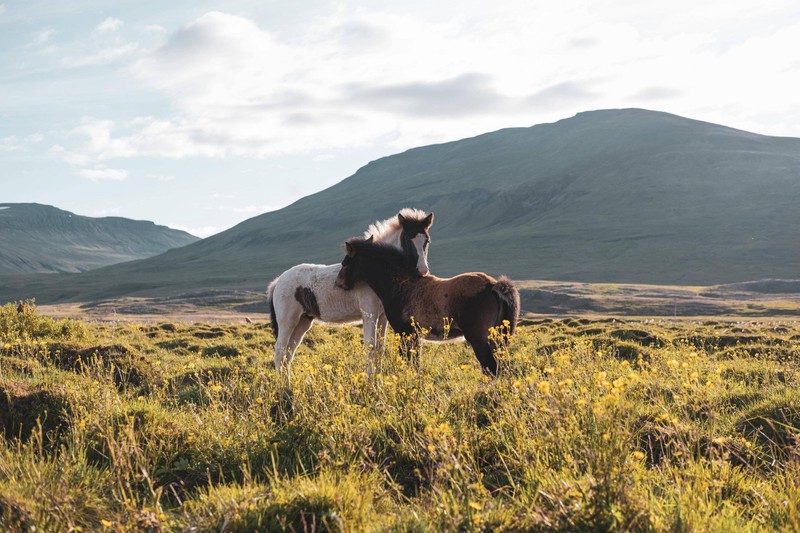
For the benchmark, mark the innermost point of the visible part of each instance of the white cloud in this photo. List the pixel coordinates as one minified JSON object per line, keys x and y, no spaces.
{"x":101,"y":173}
{"x":86,"y":162}
{"x":102,"y":57}
{"x":71,"y":158}
{"x":41,"y":37}
{"x":357,"y":78}
{"x":10,"y":144}
{"x":110,"y":24}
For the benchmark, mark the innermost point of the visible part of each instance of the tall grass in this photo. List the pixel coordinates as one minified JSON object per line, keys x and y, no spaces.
{"x":592,"y":426}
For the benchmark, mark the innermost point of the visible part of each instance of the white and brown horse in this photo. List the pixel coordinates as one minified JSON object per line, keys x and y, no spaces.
{"x":468,"y":304}
{"x":308,"y":292}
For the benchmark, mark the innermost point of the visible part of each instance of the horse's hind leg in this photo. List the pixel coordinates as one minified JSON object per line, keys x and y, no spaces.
{"x":475,"y":325}
{"x":289,"y":315}
{"x":303,"y":325}
{"x":282,"y":345}
{"x":483,"y":351}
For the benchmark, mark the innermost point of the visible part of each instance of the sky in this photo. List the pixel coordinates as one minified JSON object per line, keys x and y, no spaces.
{"x":198,"y":115}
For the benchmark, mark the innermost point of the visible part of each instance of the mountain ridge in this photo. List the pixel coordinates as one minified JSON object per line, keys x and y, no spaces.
{"x":38,"y":238}
{"x":627,"y":195}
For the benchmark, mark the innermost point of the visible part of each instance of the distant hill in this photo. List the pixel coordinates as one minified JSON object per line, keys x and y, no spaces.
{"x":625,"y":196}
{"x":41,"y":238}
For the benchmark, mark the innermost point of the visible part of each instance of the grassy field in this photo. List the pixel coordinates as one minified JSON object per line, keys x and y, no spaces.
{"x":594,"y":425}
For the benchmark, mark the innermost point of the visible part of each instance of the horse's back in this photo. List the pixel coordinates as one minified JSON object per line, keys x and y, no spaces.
{"x":309,"y":282}
{"x":432,"y":299}
{"x":467,"y":283}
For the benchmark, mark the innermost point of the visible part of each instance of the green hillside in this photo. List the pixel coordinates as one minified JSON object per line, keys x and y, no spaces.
{"x":41,"y":238}
{"x":627,"y":195}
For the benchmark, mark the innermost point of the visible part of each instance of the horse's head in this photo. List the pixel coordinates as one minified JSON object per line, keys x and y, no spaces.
{"x":365,"y":259}
{"x":407,"y":232}
{"x":350,"y":271}
{"x":346,"y":277}
{"x":415,"y":239}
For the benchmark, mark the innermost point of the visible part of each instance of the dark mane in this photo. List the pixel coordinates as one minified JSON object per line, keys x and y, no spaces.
{"x":384,"y":252}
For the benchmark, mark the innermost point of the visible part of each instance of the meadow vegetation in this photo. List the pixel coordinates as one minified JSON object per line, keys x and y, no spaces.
{"x":593,"y":425}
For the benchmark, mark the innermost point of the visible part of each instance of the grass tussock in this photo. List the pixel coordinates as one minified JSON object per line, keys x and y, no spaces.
{"x":593,"y":425}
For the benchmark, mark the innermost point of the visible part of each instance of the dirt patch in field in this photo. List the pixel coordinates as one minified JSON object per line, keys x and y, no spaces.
{"x":218,"y":307}
{"x":708,"y":342}
{"x":19,"y":518}
{"x":676,"y":444}
{"x":130,"y":368}
{"x":639,"y":336}
{"x":775,"y":426}
{"x":23,"y":407}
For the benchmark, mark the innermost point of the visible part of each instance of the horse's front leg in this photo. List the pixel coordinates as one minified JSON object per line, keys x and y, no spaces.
{"x":370,"y":340}
{"x":375,"y":341}
{"x":380,"y":333}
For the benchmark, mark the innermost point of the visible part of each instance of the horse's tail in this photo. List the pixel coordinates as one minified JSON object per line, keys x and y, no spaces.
{"x":509,"y":298}
{"x":273,"y":320}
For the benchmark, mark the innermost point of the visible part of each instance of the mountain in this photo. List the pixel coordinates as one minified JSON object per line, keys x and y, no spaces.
{"x":627,"y":195}
{"x":41,"y":238}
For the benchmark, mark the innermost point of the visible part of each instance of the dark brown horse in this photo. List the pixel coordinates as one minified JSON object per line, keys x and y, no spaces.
{"x":470,"y":304}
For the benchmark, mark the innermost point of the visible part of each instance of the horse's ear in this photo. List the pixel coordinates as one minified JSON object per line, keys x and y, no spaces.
{"x":371,"y":238}
{"x":401,"y":219}
{"x":349,"y":248}
{"x":428,"y":222}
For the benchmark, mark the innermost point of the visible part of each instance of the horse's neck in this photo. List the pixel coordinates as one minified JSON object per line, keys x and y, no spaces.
{"x":380,"y":280}
{"x":386,"y":283}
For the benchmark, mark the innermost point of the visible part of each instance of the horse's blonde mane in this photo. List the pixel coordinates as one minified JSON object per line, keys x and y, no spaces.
{"x":383,"y":229}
